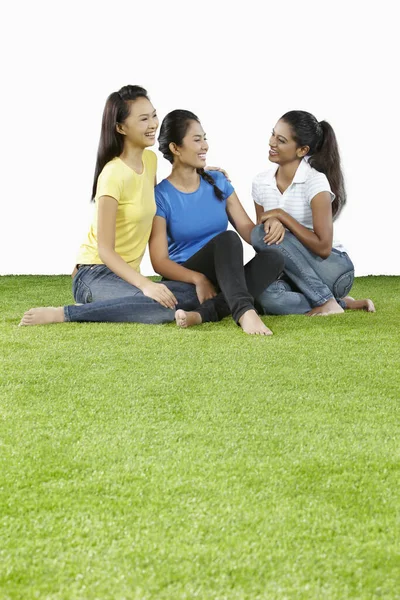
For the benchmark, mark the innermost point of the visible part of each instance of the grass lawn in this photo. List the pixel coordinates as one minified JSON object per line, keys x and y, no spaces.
{"x":147,"y":462}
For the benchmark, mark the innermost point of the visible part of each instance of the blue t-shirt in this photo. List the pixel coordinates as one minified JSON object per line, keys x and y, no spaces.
{"x":193,"y":219}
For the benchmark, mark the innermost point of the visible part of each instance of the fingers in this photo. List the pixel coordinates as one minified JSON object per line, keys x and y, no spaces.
{"x":169,"y":293}
{"x":166,"y":298}
{"x":276,"y":234}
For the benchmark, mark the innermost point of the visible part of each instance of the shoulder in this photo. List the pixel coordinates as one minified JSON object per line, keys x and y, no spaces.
{"x":113,"y":168}
{"x":222,"y":183}
{"x":315,"y":183}
{"x":316,"y":179}
{"x":265,"y":177}
{"x":150,"y":158}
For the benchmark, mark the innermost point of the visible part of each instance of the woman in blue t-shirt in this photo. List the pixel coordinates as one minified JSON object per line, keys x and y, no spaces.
{"x":189,"y":240}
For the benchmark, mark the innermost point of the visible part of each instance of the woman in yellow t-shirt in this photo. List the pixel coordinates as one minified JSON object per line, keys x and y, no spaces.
{"x":107,"y":282}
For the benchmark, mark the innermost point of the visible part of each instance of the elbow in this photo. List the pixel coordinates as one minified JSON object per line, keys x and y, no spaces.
{"x":104,"y":253}
{"x":325,"y":252}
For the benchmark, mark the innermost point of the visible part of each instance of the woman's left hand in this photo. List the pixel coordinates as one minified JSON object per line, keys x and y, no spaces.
{"x":218,"y":169}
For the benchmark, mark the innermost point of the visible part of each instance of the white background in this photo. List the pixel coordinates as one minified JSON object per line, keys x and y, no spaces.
{"x":238,"y":66}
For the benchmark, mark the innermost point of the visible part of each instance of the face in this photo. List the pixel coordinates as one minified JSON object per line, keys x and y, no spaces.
{"x":141,"y":125}
{"x":194,"y":147}
{"x":283,"y":148}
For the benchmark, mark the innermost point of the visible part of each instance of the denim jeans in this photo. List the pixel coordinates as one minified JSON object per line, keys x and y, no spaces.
{"x":308,"y":280}
{"x":221,"y":261}
{"x":105,"y":297}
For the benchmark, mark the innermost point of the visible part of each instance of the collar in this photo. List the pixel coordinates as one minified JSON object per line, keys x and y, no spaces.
{"x":299,"y":177}
{"x":302,"y":171}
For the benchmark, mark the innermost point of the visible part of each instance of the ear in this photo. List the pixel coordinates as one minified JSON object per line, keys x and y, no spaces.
{"x":303,"y":151}
{"x":120,"y":129}
{"x":174,"y":149}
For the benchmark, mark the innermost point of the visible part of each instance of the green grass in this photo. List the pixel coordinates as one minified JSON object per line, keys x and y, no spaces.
{"x":148,"y":462}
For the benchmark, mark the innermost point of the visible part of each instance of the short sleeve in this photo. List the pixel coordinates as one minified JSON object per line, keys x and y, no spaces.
{"x":316,"y":184}
{"x":109,"y":183}
{"x":222,"y":183}
{"x":161,"y":204}
{"x":254,"y":193}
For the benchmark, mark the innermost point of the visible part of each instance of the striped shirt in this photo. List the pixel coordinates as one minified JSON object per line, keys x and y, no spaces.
{"x":296,"y":199}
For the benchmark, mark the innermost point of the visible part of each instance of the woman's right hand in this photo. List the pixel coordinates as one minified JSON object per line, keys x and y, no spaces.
{"x":160,"y":293}
{"x":274,"y":231}
{"x":204,"y":289}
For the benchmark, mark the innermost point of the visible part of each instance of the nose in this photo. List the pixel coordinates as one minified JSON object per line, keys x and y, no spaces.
{"x":272,"y":141}
{"x":205,"y":145}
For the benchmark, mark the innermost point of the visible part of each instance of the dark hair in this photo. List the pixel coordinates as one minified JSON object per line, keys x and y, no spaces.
{"x":173,"y":129}
{"x":116,"y":110}
{"x":323,"y":153}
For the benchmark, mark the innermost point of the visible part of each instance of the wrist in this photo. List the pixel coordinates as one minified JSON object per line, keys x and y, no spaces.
{"x":197,"y":278}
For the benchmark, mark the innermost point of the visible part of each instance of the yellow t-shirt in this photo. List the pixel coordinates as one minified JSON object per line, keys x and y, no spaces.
{"x":136,"y":209}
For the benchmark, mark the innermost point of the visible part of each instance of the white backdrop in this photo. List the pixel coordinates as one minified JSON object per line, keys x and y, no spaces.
{"x":239,"y":67}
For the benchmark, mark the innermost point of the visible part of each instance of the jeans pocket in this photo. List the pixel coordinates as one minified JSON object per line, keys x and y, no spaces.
{"x":81,"y":291}
{"x":343,"y":285}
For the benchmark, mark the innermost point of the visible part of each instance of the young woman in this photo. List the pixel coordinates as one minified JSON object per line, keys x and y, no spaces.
{"x":107,"y":279}
{"x":296,"y":202}
{"x":189,"y":240}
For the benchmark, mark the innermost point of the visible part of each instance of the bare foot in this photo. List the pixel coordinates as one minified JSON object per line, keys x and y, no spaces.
{"x":365,"y":304}
{"x":251,"y":323}
{"x":329,"y":308}
{"x":187,"y":319}
{"x":43,"y":316}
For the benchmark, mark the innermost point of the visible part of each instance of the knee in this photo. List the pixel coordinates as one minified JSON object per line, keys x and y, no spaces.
{"x":227,"y":237}
{"x":257,"y":238}
{"x":273,"y":258}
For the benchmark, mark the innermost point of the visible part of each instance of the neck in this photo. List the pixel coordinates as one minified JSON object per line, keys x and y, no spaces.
{"x":184,"y":175}
{"x":131,"y":154}
{"x":288,"y":170}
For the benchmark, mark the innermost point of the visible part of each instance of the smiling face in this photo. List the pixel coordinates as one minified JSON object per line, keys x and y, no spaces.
{"x":140,"y":127}
{"x":193,"y":150}
{"x":283,"y":148}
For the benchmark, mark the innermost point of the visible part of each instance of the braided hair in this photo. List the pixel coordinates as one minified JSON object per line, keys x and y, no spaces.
{"x":173,"y":129}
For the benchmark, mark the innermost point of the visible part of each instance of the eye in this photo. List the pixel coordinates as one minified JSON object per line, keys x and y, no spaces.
{"x":281,"y":140}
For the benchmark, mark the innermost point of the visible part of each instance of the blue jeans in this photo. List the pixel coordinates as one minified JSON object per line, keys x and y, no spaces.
{"x":308,"y":280}
{"x":105,"y":297}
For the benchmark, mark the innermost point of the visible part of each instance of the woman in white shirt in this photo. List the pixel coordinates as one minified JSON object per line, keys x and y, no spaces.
{"x":296,"y":201}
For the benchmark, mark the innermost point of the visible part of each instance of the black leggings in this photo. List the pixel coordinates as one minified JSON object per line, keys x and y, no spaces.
{"x":221,"y":261}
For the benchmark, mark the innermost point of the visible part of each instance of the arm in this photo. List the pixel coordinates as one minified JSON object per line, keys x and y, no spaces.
{"x":239,"y":218}
{"x":106,"y":226}
{"x":162,"y":264}
{"x":318,"y":241}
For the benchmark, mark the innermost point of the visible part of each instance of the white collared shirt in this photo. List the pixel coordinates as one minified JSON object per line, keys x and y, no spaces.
{"x":296,"y":199}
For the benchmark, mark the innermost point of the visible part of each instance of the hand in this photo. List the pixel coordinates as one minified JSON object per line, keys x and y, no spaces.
{"x":275,"y":213}
{"x":218,"y":169}
{"x":274,"y":231}
{"x":160,"y":293}
{"x":204,"y":289}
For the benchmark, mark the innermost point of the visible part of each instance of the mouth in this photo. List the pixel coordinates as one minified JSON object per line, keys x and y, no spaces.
{"x":273,"y":152}
{"x":151,"y":135}
{"x":202,"y":156}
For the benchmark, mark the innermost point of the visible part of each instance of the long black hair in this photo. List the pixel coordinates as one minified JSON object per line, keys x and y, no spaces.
{"x":173,"y":129}
{"x":116,"y":110}
{"x":324,"y":151}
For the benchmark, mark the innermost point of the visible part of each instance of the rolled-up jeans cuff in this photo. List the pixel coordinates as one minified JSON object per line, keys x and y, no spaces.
{"x":67,"y":318}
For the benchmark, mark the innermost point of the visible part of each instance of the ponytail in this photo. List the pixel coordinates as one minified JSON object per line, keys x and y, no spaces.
{"x":326,"y":159}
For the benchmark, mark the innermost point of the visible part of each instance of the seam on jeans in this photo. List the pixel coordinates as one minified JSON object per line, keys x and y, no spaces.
{"x":323,"y":299}
{"x":339,"y":280}
{"x":87,"y":289}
